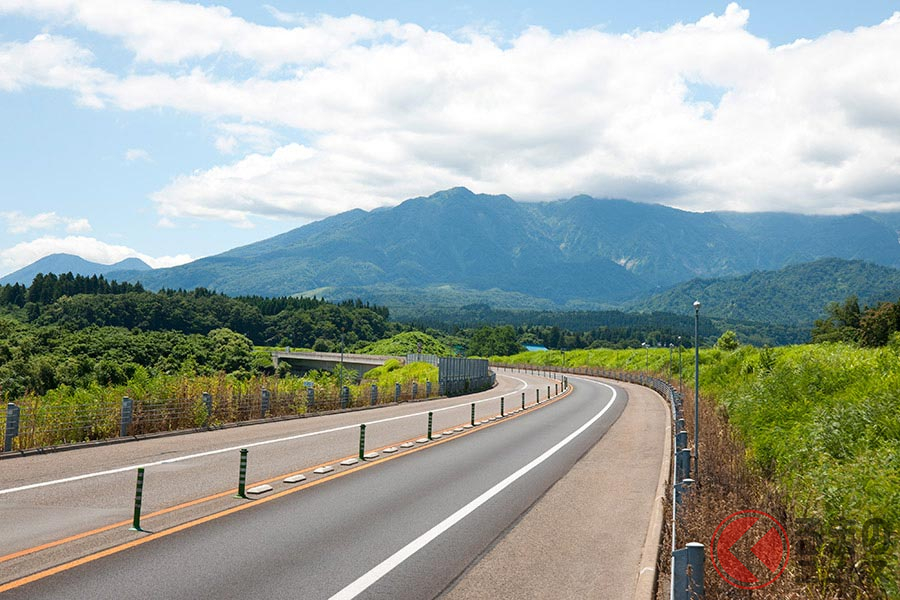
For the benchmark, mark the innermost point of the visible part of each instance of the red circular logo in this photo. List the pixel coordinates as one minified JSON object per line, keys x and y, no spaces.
{"x":750,"y":549}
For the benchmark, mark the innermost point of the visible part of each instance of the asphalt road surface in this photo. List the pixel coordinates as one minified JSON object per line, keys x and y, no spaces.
{"x":404,"y":525}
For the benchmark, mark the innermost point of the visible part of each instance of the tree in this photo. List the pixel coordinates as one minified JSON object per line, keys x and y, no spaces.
{"x":841,"y":324}
{"x":728,"y":341}
{"x":877,"y":324}
{"x":494,"y":341}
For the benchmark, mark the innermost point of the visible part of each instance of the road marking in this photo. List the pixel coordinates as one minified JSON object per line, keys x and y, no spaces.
{"x":199,"y":521}
{"x":234,"y":448}
{"x":389,"y":564}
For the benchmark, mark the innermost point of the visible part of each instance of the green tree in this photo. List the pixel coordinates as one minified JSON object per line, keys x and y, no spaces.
{"x":841,"y":323}
{"x":494,"y":341}
{"x":728,"y":341}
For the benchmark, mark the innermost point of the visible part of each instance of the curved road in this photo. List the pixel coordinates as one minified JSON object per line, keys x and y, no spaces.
{"x":400,"y":527}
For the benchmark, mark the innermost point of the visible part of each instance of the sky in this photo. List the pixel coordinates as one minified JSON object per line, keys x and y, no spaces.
{"x":173,"y":130}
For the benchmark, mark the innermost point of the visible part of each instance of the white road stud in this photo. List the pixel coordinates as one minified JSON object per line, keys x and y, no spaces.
{"x":349,"y":462}
{"x":457,"y":429}
{"x":391,"y":450}
{"x":408,"y":444}
{"x":260,"y":489}
{"x":467,"y":426}
{"x":448,"y":432}
{"x":422,"y":441}
{"x":295,"y":479}
{"x":370,"y":455}
{"x":323,"y":470}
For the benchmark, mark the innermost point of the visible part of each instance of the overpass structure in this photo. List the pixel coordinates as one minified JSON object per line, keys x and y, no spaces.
{"x":326,"y":361}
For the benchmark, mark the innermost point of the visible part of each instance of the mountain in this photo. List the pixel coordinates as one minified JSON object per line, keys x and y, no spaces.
{"x":796,"y":294}
{"x":69,"y":263}
{"x":470,"y":242}
{"x":456,"y":247}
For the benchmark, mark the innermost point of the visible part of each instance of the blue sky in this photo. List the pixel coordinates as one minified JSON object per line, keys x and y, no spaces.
{"x":173,"y":131}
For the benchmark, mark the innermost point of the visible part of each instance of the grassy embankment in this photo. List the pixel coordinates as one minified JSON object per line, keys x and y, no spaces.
{"x":811,"y":432}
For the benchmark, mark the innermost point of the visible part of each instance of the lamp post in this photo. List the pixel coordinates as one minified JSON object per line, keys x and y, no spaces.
{"x":646,"y":358}
{"x":680,"y":369}
{"x":341,"y":374}
{"x":696,"y":391}
{"x":671,"y":348}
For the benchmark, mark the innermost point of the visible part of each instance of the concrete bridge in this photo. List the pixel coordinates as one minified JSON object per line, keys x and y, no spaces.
{"x":326,"y":361}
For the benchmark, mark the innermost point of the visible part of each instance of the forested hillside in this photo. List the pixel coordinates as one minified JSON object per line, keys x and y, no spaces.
{"x":76,"y":331}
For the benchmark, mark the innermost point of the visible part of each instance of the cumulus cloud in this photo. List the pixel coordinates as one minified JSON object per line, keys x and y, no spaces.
{"x":20,"y":255}
{"x":369,"y":113}
{"x":19,"y":223}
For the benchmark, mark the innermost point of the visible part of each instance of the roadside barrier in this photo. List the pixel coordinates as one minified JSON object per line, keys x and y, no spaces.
{"x":32,"y":424}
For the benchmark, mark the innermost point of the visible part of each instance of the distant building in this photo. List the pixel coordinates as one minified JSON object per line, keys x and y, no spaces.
{"x":533,"y":348}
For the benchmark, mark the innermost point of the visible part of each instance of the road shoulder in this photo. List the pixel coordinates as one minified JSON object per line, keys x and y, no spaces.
{"x":590,"y":534}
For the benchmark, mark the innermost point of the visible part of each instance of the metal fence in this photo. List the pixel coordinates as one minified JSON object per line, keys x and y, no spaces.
{"x":464,"y":375}
{"x":33,"y":423}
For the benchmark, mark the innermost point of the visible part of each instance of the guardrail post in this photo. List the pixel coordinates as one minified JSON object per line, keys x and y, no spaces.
{"x":310,"y":399}
{"x":242,"y":476}
{"x":687,"y":573}
{"x":523,"y":400}
{"x":548,"y":392}
{"x":537,"y":396}
{"x":207,"y":402}
{"x":138,"y":499}
{"x":12,"y":426}
{"x":472,"y":420}
{"x":682,"y":490}
{"x":415,"y":389}
{"x":682,"y":464}
{"x":428,"y":389}
{"x":345,"y":397}
{"x":555,"y":389}
{"x":502,"y":400}
{"x":125,"y":416}
{"x":430,"y":419}
{"x":264,"y":403}
{"x":373,"y":395}
{"x":362,"y":442}
{"x":396,"y":392}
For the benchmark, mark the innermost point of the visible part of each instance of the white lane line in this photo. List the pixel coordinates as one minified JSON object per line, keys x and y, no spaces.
{"x":235,"y":448}
{"x":393,"y":561}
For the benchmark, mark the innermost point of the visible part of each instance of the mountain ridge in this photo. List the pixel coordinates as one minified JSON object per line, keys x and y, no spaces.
{"x":61,"y":262}
{"x":456,"y":247}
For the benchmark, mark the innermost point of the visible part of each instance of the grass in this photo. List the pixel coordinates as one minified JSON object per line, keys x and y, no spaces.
{"x":815,"y":429}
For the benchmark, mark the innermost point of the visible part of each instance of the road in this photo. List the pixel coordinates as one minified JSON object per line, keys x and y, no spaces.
{"x":402,"y":526}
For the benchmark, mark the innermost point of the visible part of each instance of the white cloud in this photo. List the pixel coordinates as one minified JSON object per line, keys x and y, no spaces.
{"x":134,"y":154}
{"x":78,"y":226}
{"x":255,"y":137}
{"x":18,"y":223}
{"x":20,"y":255}
{"x":369,"y":113}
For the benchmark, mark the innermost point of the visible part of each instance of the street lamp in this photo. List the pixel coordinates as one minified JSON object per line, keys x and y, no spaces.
{"x":680,"y":369}
{"x":671,"y":348}
{"x":646,"y":358}
{"x":341,"y":374}
{"x":696,"y":391}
